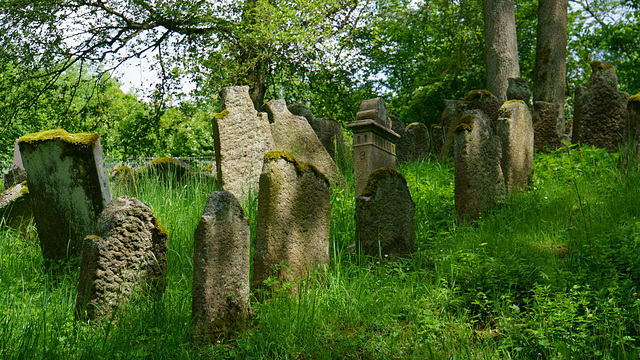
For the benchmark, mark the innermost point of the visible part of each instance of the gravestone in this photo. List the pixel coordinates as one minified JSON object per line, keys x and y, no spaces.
{"x":515,"y":129}
{"x":437,"y":139}
{"x":17,"y":174}
{"x":293,"y":217}
{"x":220,"y":301}
{"x":68,"y":186}
{"x":479,"y":182}
{"x":15,"y":206}
{"x":374,"y":143}
{"x":403,"y":143}
{"x":631,"y":135}
{"x":166,"y":168}
{"x":384,"y":216}
{"x":241,"y":137}
{"x":600,"y":110}
{"x":301,"y":110}
{"x":518,"y":89}
{"x":331,"y":137}
{"x":293,"y":134}
{"x":123,"y":260}
{"x":545,"y":122}
{"x":419,"y":142}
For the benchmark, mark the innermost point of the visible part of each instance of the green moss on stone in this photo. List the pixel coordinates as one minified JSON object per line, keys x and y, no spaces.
{"x":301,"y":167}
{"x":635,"y":98}
{"x":221,"y":115}
{"x":466,"y":123}
{"x":374,"y":180}
{"x":93,"y":237}
{"x":513,"y":101}
{"x":416,"y":124}
{"x":164,"y":160}
{"x":82,"y":139}
{"x":25,"y":189}
{"x":162,"y":231}
{"x":602,"y":65}
{"x":476,"y":95}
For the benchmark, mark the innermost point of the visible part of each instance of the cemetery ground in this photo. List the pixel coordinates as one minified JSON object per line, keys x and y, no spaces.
{"x":552,"y":273}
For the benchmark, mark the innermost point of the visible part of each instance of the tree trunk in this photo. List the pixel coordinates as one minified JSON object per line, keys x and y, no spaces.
{"x":500,"y":47}
{"x":550,"y":70}
{"x":258,"y":85}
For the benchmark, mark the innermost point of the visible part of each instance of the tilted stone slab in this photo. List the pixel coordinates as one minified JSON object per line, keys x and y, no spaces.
{"x":301,"y":110}
{"x":293,"y":217}
{"x":331,"y":137}
{"x":241,"y":138}
{"x":600,"y":111}
{"x":479,"y":182}
{"x":293,"y":134}
{"x":125,"y":259}
{"x":515,"y":129}
{"x":220,"y":298}
{"x":69,"y":187}
{"x":384,"y":216}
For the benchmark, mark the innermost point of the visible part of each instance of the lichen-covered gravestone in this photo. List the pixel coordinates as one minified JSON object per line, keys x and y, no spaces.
{"x":293,"y":134}
{"x":384,"y":216}
{"x":292,"y":225}
{"x":600,"y":110}
{"x":545,"y":122}
{"x":220,"y":301}
{"x":68,"y":186}
{"x":17,"y":174}
{"x":126,"y":258}
{"x":515,"y":129}
{"x":241,"y":137}
{"x":479,"y":182}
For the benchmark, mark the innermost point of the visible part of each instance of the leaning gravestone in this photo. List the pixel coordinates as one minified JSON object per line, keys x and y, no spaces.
{"x":331,"y":137}
{"x":292,"y":225}
{"x":545,"y":120}
{"x":600,"y":110}
{"x":221,"y":248}
{"x":166,"y":168}
{"x":241,"y":137}
{"x":419,"y":144}
{"x":404,"y":142}
{"x":384,"y":216}
{"x":515,"y":129}
{"x":123,"y":260}
{"x":15,"y":207}
{"x":479,"y":182}
{"x":68,"y":186}
{"x":293,"y":134}
{"x":631,"y":136}
{"x":17,"y":174}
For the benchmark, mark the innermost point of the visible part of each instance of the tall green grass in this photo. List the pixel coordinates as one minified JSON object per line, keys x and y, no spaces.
{"x":551,"y":273}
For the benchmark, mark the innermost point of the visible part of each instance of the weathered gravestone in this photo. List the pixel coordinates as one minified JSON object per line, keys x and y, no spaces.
{"x":293,"y":134}
{"x":384,"y":216}
{"x":68,"y":186}
{"x":220,"y":301}
{"x":292,"y":225}
{"x":600,"y":110}
{"x":331,"y":137}
{"x":15,"y":206}
{"x":479,"y":182}
{"x":518,"y":89}
{"x":419,"y":142}
{"x":17,"y":174}
{"x":241,"y":138}
{"x":403,"y":143}
{"x":125,"y":259}
{"x":374,"y":143}
{"x":515,"y":130}
{"x":545,"y":120}
{"x":631,"y":135}
{"x":166,"y":168}
{"x":437,"y":139}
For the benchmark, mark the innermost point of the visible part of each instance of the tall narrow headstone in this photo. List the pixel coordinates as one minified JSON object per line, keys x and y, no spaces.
{"x":125,"y":259}
{"x":374,"y":143}
{"x":600,"y":110}
{"x":293,"y":134}
{"x":515,"y":129}
{"x":631,"y":136}
{"x":241,"y":138}
{"x":384,"y":216}
{"x":479,"y":182}
{"x":221,"y":250}
{"x":68,"y":186}
{"x":545,"y":120}
{"x":292,"y":227}
{"x":419,"y":143}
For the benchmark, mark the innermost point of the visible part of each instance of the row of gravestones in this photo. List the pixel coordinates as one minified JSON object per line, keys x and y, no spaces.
{"x":125,"y":255}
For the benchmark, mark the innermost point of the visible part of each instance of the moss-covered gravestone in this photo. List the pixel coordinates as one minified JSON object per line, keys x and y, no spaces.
{"x":166,"y":169}
{"x":479,"y":182}
{"x":293,"y":134}
{"x":241,"y":137}
{"x":68,"y":186}
{"x":384,"y":216}
{"x":600,"y":110}
{"x":515,"y":129}
{"x":125,"y":259}
{"x":292,"y":226}
{"x":220,"y":301}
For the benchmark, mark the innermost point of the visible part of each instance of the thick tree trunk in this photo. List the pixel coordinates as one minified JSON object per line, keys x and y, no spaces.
{"x":258,"y":85}
{"x":501,"y":47}
{"x":550,"y":70}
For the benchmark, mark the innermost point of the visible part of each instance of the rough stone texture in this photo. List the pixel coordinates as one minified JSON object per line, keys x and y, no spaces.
{"x":68,"y":186}
{"x":301,"y":110}
{"x":545,"y":118}
{"x":331,"y":137}
{"x":17,"y":174}
{"x":384,"y":216}
{"x":15,"y":206}
{"x":374,"y":109}
{"x":515,"y":129}
{"x":293,"y":134}
{"x":519,"y":90}
{"x":600,"y":110}
{"x":449,"y":114}
{"x":479,"y":183}
{"x":125,"y":259}
{"x":631,"y":135}
{"x":166,"y":168}
{"x":221,"y":267}
{"x":241,"y":138}
{"x":292,"y":225}
{"x":403,"y":143}
{"x":437,"y":139}
{"x":419,"y":142}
